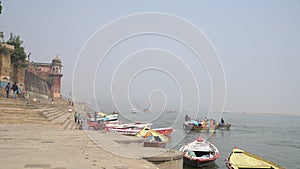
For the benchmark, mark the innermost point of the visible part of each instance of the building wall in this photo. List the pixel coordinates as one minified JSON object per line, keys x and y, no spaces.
{"x":51,"y":74}
{"x":42,"y":80}
{"x":56,"y":86}
{"x":5,"y":65}
{"x":40,"y":69}
{"x":36,"y":86}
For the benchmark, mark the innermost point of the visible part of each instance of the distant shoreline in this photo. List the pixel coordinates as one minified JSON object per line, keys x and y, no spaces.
{"x":278,"y":113}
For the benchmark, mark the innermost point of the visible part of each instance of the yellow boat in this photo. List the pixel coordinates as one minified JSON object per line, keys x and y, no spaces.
{"x":239,"y":159}
{"x":152,"y":138}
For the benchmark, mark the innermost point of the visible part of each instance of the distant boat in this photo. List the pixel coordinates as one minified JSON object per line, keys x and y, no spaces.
{"x":169,"y":111}
{"x":199,"y":153}
{"x":133,"y":111}
{"x":241,"y":159}
{"x":223,"y":126}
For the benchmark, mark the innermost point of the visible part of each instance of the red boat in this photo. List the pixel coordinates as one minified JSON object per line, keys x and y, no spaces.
{"x":101,"y":124}
{"x":167,"y":131}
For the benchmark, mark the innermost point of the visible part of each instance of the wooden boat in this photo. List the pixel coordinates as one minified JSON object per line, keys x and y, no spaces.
{"x":134,"y":130}
{"x":198,"y":125}
{"x":199,"y":153}
{"x":241,"y":159}
{"x":225,"y":126}
{"x":167,"y":131}
{"x":103,"y":117}
{"x":152,"y":138}
{"x":101,"y":124}
{"x":127,"y":129}
{"x":138,"y":126}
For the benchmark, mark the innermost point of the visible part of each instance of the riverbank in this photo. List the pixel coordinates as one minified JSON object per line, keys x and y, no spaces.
{"x":43,"y":135}
{"x":39,"y":134}
{"x":44,"y":146}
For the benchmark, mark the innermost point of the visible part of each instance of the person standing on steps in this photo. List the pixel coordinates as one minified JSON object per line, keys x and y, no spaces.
{"x":15,"y":89}
{"x":76,"y":117}
{"x":7,"y":89}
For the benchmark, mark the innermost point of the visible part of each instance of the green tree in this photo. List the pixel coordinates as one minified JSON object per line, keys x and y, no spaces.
{"x":2,"y":36}
{"x":19,"y":54}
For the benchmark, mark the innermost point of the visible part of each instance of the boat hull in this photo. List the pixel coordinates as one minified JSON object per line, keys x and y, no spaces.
{"x":241,"y":159}
{"x":197,"y":163}
{"x":134,"y":131}
{"x":224,"y":126}
{"x":164,"y":131}
{"x":194,"y":127}
{"x":199,"y":153}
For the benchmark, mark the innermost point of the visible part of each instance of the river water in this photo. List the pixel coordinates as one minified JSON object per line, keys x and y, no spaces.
{"x":275,"y":137}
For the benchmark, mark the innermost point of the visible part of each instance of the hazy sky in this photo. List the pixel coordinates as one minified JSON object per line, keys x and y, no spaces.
{"x":257,"y":43}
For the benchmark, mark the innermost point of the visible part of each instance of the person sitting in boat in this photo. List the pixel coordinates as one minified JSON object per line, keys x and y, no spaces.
{"x":191,"y":153}
{"x":203,"y":123}
{"x":187,"y":118}
{"x":222,"y":120}
{"x":195,"y":122}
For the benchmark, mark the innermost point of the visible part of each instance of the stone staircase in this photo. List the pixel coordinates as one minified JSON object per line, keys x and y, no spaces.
{"x":24,"y":111}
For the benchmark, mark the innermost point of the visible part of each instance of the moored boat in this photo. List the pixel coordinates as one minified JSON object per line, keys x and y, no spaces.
{"x":101,"y":124}
{"x":152,"y":138}
{"x":240,"y":159}
{"x":199,"y":153}
{"x":100,"y":116}
{"x":167,"y":131}
{"x":134,"y":129}
{"x":138,"y":126}
{"x":225,"y":126}
{"x":100,"y":119}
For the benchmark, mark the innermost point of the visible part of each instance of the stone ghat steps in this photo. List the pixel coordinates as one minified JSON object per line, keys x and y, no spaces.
{"x":12,"y":102}
{"x":20,"y":119}
{"x":19,"y":111}
{"x":69,"y":123}
{"x":50,"y":113}
{"x":60,"y":117}
{"x":21,"y":115}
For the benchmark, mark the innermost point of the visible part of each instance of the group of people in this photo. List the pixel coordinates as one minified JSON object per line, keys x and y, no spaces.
{"x":204,"y":122}
{"x":14,"y":88}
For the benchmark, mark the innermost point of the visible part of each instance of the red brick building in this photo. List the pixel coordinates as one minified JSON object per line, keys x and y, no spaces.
{"x":50,"y":73}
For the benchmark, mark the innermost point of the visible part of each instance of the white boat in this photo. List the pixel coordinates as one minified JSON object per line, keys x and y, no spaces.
{"x":199,"y":153}
{"x":128,"y":126}
{"x":133,"y":111}
{"x":110,"y":117}
{"x":133,"y":131}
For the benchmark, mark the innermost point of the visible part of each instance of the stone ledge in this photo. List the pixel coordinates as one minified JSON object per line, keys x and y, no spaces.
{"x":167,"y":156}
